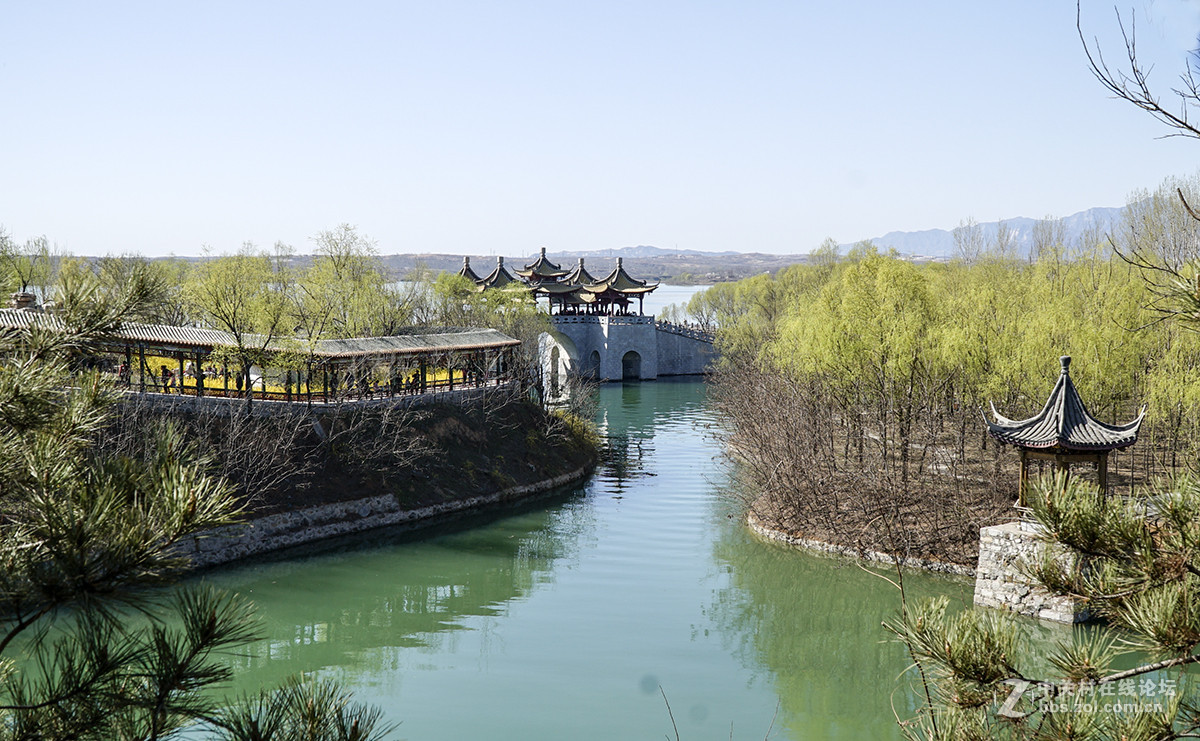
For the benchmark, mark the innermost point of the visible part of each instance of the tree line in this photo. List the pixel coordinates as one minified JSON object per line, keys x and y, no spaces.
{"x":276,"y":296}
{"x":854,"y":384}
{"x":98,"y":490}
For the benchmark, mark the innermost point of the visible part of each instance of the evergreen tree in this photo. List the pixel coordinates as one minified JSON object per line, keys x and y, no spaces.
{"x":1134,"y":563}
{"x":92,"y":646}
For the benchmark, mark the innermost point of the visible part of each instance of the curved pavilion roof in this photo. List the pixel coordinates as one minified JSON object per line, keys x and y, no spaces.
{"x":567,"y":287}
{"x":498,"y":278}
{"x":567,"y":293}
{"x":1064,"y":423}
{"x":466,"y":271}
{"x":620,"y":281}
{"x":541,"y":270}
{"x":579,"y":275}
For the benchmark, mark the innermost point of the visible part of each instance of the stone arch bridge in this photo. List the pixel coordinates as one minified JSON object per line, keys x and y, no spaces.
{"x":616,"y":348}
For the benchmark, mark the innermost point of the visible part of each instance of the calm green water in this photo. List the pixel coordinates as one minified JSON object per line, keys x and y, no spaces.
{"x":562,"y":621}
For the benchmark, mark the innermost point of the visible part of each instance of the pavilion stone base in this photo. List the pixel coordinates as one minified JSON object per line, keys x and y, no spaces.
{"x":1001,"y":583}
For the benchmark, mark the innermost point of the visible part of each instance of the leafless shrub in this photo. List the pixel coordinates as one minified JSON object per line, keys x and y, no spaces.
{"x":259,"y":454}
{"x":371,"y":441}
{"x":838,"y":468}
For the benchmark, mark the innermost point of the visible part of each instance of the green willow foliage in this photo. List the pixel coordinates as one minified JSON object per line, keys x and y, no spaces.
{"x":881,"y":328}
{"x":872,"y":343}
{"x":994,"y":330}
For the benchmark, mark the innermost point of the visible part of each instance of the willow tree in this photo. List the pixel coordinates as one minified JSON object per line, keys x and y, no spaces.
{"x":868,"y":338}
{"x":455,"y":301}
{"x":345,"y":292}
{"x":29,"y":266}
{"x":242,"y":294}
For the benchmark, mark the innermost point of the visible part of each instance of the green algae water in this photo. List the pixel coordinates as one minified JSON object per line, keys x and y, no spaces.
{"x":563,"y":619}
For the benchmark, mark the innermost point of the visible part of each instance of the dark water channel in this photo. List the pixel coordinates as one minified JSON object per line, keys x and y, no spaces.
{"x":561,"y":621}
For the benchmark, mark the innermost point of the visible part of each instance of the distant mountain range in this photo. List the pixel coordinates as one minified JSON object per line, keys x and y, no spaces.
{"x":939,"y":243}
{"x":642,"y":250}
{"x":697,"y":266}
{"x":700,"y":267}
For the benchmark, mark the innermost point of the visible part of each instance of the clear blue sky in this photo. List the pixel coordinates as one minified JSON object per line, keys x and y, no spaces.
{"x":499,"y":127}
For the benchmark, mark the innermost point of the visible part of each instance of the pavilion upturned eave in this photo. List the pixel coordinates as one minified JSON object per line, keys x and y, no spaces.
{"x":1064,"y":423}
{"x":541,"y":269}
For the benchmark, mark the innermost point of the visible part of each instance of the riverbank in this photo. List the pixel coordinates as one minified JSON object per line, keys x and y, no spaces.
{"x":834,"y":549}
{"x":304,"y":477}
{"x":315,"y":523}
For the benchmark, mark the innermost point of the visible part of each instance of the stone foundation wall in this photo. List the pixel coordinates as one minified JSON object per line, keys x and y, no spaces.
{"x":820,"y":546}
{"x":286,"y":529}
{"x":1000,"y":581}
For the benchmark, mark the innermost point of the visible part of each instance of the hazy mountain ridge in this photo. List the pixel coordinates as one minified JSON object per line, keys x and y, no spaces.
{"x":939,"y":243}
{"x":689,"y":266}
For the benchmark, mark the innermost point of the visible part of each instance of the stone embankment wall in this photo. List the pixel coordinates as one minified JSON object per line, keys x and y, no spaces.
{"x":1001,"y":581}
{"x":819,"y":546}
{"x":311,"y":524}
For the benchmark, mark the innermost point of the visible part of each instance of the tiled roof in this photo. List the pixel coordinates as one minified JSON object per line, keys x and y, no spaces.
{"x":466,"y":271}
{"x":1064,"y":423}
{"x":460,"y":339}
{"x":541,"y":269}
{"x":195,"y":338}
{"x":579,"y":275}
{"x":498,"y":278}
{"x":620,"y":281}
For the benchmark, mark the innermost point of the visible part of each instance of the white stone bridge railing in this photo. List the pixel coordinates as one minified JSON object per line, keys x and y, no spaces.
{"x":685,"y":331}
{"x":589,"y":319}
{"x":682,"y":330}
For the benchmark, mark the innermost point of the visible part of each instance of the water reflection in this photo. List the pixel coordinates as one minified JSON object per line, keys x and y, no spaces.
{"x":640,"y":409}
{"x":331,"y":608}
{"x":562,"y":621}
{"x":625,"y":461}
{"x":814,"y":624}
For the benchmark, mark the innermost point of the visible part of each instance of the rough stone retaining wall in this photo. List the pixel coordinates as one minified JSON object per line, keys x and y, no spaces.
{"x":1001,"y":582}
{"x":286,"y":529}
{"x":820,"y":546}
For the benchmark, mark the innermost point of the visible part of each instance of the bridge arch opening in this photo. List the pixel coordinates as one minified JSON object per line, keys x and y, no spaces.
{"x":555,"y":372}
{"x":559,"y":359}
{"x":592,"y":369}
{"x":631,"y":366}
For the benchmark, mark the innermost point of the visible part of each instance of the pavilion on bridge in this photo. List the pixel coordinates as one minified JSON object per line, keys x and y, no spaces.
{"x":569,"y":292}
